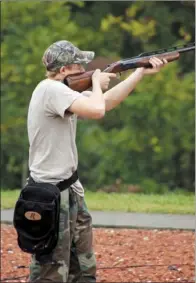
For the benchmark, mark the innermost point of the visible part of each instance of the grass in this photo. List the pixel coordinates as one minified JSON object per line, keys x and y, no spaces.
{"x":168,"y":203}
{"x":174,"y":203}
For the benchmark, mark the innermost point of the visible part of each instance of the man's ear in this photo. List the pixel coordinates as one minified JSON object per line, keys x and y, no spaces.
{"x":63,"y":69}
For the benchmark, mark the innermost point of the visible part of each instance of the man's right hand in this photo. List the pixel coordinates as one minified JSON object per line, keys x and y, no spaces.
{"x":103,"y":78}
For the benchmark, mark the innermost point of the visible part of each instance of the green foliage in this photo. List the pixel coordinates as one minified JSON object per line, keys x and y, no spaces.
{"x":150,"y":186}
{"x":147,"y":136}
{"x":148,"y":139}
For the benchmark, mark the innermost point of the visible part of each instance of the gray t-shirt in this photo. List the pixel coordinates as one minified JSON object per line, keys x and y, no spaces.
{"x":53,"y":154}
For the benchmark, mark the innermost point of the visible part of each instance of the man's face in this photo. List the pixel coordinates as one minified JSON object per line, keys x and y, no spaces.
{"x":73,"y":69}
{"x":78,"y":68}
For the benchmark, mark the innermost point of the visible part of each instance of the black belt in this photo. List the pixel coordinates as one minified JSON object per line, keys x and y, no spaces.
{"x":65,"y":184}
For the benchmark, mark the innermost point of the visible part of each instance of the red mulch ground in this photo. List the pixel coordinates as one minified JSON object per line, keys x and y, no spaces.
{"x":121,"y":250}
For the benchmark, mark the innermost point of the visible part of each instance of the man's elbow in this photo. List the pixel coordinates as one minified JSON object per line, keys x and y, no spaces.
{"x":99,"y":113}
{"x":109,"y":105}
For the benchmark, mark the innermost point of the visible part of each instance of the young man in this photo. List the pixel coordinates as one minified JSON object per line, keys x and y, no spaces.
{"x":52,"y":118}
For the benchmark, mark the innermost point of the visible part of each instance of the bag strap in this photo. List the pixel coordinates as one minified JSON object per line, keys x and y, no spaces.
{"x":65,"y":184}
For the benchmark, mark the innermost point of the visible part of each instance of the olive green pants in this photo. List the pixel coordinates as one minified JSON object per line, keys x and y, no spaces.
{"x":73,"y":259}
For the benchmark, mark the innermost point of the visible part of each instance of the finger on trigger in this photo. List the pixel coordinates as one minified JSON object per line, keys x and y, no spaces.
{"x":112,"y":75}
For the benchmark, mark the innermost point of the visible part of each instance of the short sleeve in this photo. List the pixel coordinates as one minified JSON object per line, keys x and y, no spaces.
{"x":58,"y":98}
{"x":87,"y":93}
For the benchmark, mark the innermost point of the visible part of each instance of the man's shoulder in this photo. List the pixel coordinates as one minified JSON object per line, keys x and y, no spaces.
{"x":50,"y":87}
{"x":48,"y":82}
{"x":55,"y":85}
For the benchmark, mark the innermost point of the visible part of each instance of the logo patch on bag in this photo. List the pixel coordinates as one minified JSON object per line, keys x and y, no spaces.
{"x":33,"y":215}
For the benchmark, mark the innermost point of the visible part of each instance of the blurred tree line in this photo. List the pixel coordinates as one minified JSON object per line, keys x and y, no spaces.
{"x":150,"y":137}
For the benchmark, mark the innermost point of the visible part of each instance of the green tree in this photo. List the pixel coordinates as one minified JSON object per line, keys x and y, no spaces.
{"x":150,"y":135}
{"x":125,"y":147}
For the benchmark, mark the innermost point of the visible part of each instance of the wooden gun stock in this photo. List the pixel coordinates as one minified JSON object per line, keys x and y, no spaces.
{"x":79,"y":82}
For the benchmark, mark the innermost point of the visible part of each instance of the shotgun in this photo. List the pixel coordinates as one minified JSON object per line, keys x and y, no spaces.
{"x":82,"y":81}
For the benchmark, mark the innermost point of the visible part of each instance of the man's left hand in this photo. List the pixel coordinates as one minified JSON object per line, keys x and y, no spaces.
{"x":156,"y":63}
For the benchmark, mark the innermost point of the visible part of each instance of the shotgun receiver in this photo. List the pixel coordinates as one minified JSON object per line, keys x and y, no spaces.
{"x":82,"y":81}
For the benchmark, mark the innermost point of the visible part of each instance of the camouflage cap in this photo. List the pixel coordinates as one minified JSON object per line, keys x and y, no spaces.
{"x":63,"y":53}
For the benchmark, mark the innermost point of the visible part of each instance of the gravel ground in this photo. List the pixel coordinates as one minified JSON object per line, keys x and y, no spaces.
{"x":123,"y":255}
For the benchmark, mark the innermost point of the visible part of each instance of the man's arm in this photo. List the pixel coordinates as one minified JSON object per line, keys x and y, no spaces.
{"x":92,"y":107}
{"x":117,"y":94}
